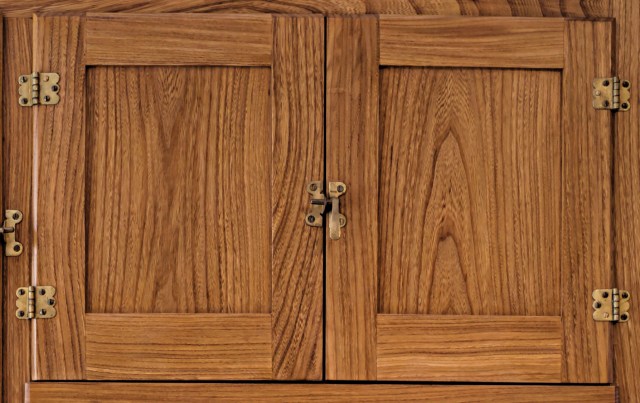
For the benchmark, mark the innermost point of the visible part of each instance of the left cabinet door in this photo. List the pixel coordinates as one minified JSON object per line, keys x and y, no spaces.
{"x":169,"y":195}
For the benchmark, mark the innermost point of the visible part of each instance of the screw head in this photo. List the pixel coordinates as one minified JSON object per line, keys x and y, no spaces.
{"x":606,"y":104}
{"x":21,"y":314}
{"x":605,"y":83}
{"x":597,"y":305}
{"x":311,"y":218}
{"x":624,"y":105}
{"x":55,"y":88}
{"x":626,"y":84}
{"x":47,"y":98}
{"x":42,"y":291}
{"x":313,"y":187}
{"x":340,"y":188}
{"x":22,"y":79}
{"x":43,"y":312}
{"x":24,"y":101}
{"x":624,"y":316}
{"x":21,"y":292}
{"x":605,"y":294}
{"x":51,"y":301}
{"x":45,"y":78}
{"x":16,"y":216}
{"x":625,"y":295}
{"x":16,"y":248}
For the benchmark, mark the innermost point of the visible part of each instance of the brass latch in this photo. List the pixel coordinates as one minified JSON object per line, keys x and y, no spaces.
{"x":8,"y":230}
{"x":611,"y":305}
{"x":611,"y":93}
{"x":319,"y":206}
{"x":39,"y":88}
{"x":36,"y":302}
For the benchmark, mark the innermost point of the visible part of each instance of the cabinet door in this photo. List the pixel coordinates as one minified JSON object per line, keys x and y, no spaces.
{"x":169,"y":197}
{"x":478,"y":199}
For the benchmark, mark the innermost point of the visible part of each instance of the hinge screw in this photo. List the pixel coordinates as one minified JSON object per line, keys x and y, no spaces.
{"x":43,"y":312}
{"x":21,"y":292}
{"x":21,"y":314}
{"x":311,"y":218}
{"x":42,"y":291}
{"x":51,"y":301}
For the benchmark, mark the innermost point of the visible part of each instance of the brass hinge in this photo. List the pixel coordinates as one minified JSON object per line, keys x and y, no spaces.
{"x":611,"y":93}
{"x":8,"y":230}
{"x":39,"y":88}
{"x":36,"y":302}
{"x":611,"y":305}
{"x":319,"y":203}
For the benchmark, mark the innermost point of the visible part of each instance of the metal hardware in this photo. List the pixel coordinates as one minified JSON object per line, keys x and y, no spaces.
{"x":611,"y":93}
{"x":611,"y":305}
{"x":39,"y":88}
{"x":319,"y":203}
{"x":11,"y":246}
{"x":36,"y":302}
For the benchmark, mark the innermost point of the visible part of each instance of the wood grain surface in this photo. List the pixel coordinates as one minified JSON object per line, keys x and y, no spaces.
{"x":626,"y":195}
{"x":174,"y":346}
{"x":469,"y":192}
{"x":199,"y":393}
{"x":298,"y":155}
{"x":178,"y":210}
{"x":472,"y":42}
{"x":352,"y":153}
{"x":626,"y":157}
{"x":587,"y":239}
{"x":527,"y":8}
{"x":178,"y":39}
{"x":59,"y":199}
{"x":16,"y":185}
{"x":469,"y":348}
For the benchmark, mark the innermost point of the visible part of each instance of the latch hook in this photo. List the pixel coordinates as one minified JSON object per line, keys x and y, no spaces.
{"x":319,"y":204}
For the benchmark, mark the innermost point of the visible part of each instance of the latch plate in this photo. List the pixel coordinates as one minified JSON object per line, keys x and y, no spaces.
{"x":36,"y":302}
{"x":611,"y":305}
{"x":611,"y":93}
{"x":39,"y":88}
{"x":11,"y":246}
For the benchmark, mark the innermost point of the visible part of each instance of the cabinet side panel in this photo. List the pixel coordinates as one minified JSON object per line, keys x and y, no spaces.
{"x":626,"y":195}
{"x":17,"y":159}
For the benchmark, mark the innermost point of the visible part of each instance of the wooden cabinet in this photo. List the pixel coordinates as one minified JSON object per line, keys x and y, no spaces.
{"x":167,"y":196}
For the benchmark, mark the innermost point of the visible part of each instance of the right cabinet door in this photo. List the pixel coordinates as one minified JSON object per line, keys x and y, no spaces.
{"x":479,"y":199}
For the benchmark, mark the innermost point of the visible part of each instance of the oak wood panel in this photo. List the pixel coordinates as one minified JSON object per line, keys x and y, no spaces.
{"x":298,"y":155}
{"x":352,"y":151}
{"x":469,"y":192}
{"x":587,"y":239}
{"x":178,"y":190}
{"x":469,"y":348}
{"x":178,"y":39}
{"x":472,"y":42}
{"x":529,"y":8}
{"x":58,"y":193}
{"x":17,"y":159}
{"x":157,"y":392}
{"x":174,"y":346}
{"x":626,"y":196}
